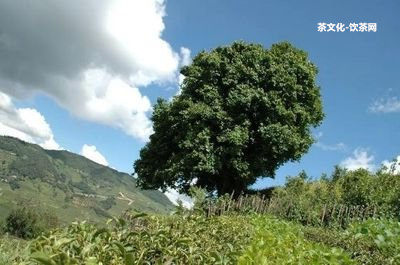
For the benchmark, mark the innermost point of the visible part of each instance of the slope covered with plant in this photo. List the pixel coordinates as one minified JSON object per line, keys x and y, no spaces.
{"x":68,"y":185}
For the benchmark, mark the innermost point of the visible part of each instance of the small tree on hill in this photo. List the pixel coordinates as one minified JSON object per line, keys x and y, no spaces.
{"x":243,"y":112}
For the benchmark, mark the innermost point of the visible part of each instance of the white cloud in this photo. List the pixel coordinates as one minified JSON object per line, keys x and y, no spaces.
{"x":386,"y":105}
{"x":25,"y":123}
{"x":91,"y":67}
{"x":174,"y":196}
{"x":186,"y":59}
{"x":360,"y":159}
{"x":328,"y":147}
{"x":392,"y":166}
{"x":334,"y":147}
{"x":91,"y":152}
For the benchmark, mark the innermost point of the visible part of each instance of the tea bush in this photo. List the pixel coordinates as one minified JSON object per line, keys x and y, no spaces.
{"x":192,"y":238}
{"x":13,"y":251}
{"x":188,"y":239}
{"x":383,"y":235}
{"x":279,"y":242}
{"x":370,"y":242}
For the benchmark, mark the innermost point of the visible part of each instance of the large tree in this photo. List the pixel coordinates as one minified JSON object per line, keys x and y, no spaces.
{"x":243,"y":112}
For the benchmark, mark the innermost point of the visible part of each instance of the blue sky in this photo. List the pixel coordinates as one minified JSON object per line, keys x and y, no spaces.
{"x":358,"y":74}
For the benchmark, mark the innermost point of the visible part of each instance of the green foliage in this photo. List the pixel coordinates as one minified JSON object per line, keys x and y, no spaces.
{"x":383,"y":235}
{"x":13,"y":251}
{"x":28,"y":223}
{"x":243,"y":112}
{"x":370,"y":242}
{"x":278,"y":242}
{"x":139,"y":239}
{"x":108,"y":203}
{"x":191,"y":238}
{"x":14,"y":185}
{"x":199,"y":197}
{"x":83,"y":187}
{"x":344,"y":197}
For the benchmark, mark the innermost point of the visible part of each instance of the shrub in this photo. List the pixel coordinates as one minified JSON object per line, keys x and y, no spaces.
{"x":382,"y":235}
{"x":14,"y":185}
{"x":370,"y":242}
{"x":108,"y":203}
{"x":362,"y":251}
{"x":28,"y":223}
{"x":336,"y":201}
{"x":13,"y":251}
{"x":279,"y":242}
{"x":139,"y":239}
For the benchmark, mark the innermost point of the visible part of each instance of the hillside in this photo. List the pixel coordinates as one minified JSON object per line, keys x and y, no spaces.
{"x":68,"y":185}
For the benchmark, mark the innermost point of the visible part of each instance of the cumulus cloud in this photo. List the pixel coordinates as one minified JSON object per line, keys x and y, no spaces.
{"x":360,"y":159}
{"x":174,"y":196}
{"x":25,"y":123}
{"x":91,"y":152}
{"x":89,"y":56}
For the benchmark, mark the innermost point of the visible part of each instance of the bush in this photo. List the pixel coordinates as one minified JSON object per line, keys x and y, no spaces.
{"x":108,"y":203}
{"x":28,"y":223}
{"x":382,"y":235}
{"x":139,"y":239}
{"x":13,"y":251}
{"x":14,"y":185}
{"x":343,"y":198}
{"x":279,"y":242}
{"x":370,"y":242}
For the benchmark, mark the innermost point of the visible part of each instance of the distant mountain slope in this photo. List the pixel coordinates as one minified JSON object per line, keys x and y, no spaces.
{"x":67,"y":184}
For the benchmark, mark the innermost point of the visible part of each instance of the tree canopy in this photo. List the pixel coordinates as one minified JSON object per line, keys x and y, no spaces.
{"x":243,"y":111}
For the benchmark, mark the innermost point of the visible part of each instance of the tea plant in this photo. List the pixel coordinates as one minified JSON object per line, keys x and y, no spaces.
{"x":279,"y":242}
{"x":13,"y":251}
{"x":189,"y":239}
{"x":370,"y":242}
{"x":383,"y":235}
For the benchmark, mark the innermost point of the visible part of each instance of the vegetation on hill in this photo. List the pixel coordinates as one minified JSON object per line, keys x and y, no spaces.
{"x":68,"y":185}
